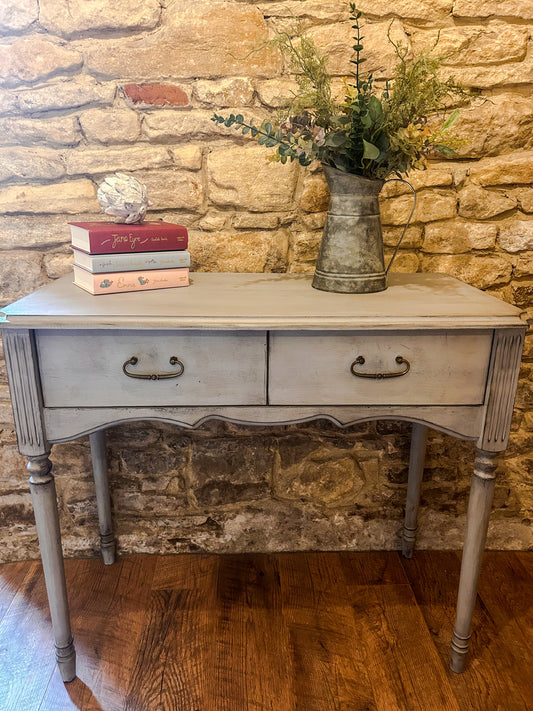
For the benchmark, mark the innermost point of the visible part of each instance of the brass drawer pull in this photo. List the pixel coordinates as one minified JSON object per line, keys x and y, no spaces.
{"x":380,"y":376}
{"x":153,"y":376}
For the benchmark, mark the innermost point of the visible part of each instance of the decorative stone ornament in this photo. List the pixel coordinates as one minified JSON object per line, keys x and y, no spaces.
{"x":123,"y":197}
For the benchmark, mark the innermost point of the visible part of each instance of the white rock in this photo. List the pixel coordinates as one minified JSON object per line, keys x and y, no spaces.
{"x":123,"y":197}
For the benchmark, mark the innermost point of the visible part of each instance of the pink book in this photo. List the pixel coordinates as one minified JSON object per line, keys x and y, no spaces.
{"x":116,"y":282}
{"x":111,"y":238}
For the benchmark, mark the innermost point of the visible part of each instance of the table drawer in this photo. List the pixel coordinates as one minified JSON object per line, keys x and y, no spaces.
{"x":86,"y":368}
{"x":411,"y":368}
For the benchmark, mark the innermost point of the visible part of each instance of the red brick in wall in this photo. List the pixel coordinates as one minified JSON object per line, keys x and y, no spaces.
{"x":156,"y":94}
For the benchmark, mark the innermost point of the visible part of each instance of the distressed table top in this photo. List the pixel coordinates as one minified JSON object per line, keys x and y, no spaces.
{"x":265,"y":301}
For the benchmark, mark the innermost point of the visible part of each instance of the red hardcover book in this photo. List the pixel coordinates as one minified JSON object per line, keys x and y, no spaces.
{"x":110,"y":237}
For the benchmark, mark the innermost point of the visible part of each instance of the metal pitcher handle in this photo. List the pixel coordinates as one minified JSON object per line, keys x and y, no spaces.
{"x":401,"y":180}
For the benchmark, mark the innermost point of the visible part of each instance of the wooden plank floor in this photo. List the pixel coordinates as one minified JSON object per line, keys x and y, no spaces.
{"x":302,"y":631}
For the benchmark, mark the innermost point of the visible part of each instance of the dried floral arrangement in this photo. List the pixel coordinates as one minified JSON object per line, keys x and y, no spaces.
{"x":372,"y":132}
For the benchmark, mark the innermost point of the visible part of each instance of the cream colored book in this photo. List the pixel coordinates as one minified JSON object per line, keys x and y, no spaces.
{"x":116,"y":282}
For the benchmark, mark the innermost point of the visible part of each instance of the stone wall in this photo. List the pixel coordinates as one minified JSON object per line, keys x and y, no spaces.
{"x":87,"y":88}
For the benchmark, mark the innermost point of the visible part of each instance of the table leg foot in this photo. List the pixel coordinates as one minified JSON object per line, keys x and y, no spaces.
{"x":66,"y":661}
{"x":408,"y":544}
{"x":458,"y":653}
{"x":107,"y":546}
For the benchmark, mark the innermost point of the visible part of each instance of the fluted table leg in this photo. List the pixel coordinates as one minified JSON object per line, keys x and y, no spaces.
{"x":477,"y":521}
{"x":43,"y":493}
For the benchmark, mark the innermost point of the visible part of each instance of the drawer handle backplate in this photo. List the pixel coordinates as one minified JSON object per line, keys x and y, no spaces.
{"x":153,"y":376}
{"x":380,"y":376}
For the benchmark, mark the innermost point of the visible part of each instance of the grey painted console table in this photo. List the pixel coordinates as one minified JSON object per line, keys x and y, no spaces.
{"x":262,"y":349}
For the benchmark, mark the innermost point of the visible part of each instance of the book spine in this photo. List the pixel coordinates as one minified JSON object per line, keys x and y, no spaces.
{"x":116,"y":282}
{"x":120,"y":243}
{"x":128,"y":263}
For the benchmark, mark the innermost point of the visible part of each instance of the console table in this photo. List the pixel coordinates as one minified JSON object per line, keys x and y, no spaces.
{"x":263,"y":349}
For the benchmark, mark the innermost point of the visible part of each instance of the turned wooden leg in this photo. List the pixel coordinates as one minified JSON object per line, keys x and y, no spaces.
{"x":103,"y":500}
{"x":416,"y":470}
{"x":43,"y":493}
{"x":477,"y":522}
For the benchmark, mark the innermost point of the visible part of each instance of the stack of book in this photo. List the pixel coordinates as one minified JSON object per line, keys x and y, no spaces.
{"x":110,"y":258}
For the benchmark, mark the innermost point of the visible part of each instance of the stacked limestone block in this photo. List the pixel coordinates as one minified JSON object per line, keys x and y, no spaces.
{"x":88,"y":88}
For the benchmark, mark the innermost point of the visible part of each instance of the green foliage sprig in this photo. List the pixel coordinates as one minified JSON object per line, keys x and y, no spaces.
{"x":370,"y":133}
{"x":288,"y":143}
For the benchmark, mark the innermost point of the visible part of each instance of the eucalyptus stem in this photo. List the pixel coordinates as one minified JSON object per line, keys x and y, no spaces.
{"x":357,"y":47}
{"x":287,"y":144}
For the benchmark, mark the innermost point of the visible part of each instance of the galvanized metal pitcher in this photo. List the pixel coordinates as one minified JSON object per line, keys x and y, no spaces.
{"x":351,"y":258}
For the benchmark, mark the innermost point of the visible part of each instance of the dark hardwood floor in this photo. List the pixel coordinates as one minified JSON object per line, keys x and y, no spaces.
{"x":302,"y":631}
